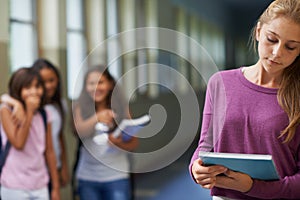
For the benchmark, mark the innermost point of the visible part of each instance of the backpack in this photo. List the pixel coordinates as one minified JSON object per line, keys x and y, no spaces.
{"x":5,"y":148}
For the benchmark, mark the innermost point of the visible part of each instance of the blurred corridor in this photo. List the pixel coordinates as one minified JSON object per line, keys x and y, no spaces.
{"x":170,"y":183}
{"x":201,"y":36}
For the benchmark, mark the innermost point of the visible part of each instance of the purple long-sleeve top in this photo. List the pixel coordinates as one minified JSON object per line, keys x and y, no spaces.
{"x":241,"y":117}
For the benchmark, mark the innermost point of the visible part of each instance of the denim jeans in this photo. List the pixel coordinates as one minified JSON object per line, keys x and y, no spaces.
{"x":114,"y":190}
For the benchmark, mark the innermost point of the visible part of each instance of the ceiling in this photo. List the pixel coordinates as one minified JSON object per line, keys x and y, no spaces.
{"x":246,"y":5}
{"x":231,"y":15}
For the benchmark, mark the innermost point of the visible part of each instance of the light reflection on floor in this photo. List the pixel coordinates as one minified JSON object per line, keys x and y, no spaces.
{"x":170,"y":183}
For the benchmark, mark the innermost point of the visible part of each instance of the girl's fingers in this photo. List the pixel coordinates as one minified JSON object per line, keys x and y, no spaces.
{"x":206,"y":175}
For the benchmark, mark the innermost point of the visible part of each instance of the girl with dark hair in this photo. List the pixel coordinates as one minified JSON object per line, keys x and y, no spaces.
{"x":57,"y":107}
{"x":101,"y":175}
{"x":31,"y":158}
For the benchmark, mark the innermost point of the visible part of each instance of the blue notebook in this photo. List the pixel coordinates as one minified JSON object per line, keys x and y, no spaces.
{"x":130,"y":127}
{"x":127,"y":128}
{"x":257,"y":166}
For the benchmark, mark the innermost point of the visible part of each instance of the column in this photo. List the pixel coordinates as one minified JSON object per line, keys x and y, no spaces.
{"x":183,"y":48}
{"x":152,"y":40}
{"x":127,"y":20}
{"x":4,"y":45}
{"x":95,"y":29}
{"x":113,"y":45}
{"x":194,"y":54}
{"x":52,"y":34}
{"x":48,"y":29}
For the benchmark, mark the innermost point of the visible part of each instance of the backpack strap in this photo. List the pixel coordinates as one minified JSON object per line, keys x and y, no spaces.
{"x":44,"y":116}
{"x":3,"y":154}
{"x":3,"y":151}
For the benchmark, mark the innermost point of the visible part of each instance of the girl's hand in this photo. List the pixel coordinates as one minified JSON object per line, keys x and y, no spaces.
{"x":206,"y":176}
{"x":18,"y":113}
{"x":115,"y":141}
{"x":235,"y":181}
{"x":55,"y":194}
{"x":32,"y":103}
{"x":64,"y":176}
{"x":106,"y":116}
{"x":127,"y":146}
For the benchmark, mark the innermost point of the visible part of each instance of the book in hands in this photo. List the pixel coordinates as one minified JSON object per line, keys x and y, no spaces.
{"x":130,"y":127}
{"x":257,"y":166}
{"x":127,"y":127}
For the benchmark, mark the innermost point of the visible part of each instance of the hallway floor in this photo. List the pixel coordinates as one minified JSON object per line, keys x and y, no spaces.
{"x":170,"y":183}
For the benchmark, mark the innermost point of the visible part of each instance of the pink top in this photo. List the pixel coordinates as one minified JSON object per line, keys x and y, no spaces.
{"x":27,"y":169}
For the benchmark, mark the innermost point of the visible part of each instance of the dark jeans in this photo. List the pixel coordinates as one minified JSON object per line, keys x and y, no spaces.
{"x":114,"y":190}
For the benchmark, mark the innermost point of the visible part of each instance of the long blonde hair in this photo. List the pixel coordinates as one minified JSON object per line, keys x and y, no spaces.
{"x":289,"y":91}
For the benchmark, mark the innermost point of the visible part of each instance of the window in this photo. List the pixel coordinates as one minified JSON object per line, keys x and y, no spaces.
{"x":23,"y":41}
{"x":76,"y":47}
